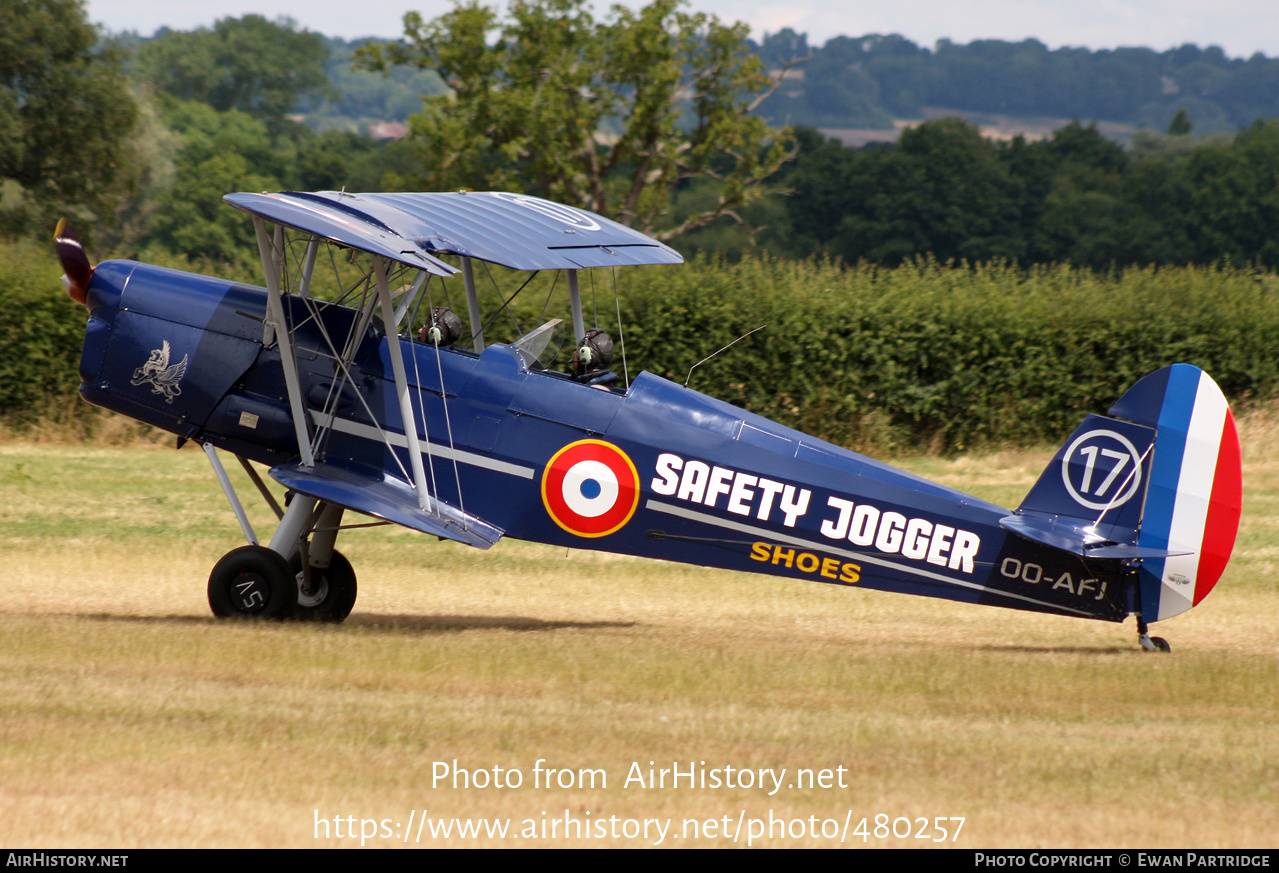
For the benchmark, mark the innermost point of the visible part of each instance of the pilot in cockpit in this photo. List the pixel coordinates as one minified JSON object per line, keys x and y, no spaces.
{"x":443,"y":328}
{"x":592,"y":358}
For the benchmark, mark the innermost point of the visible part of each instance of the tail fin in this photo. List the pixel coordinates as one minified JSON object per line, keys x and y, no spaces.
{"x":1196,"y":486}
{"x":1088,"y":501}
{"x":1164,"y":487}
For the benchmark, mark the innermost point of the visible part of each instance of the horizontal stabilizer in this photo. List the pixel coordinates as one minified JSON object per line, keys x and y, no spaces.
{"x":388,"y":499}
{"x":1077,"y":538}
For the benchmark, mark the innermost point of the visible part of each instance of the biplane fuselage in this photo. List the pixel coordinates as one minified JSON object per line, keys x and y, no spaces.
{"x":653,"y":469}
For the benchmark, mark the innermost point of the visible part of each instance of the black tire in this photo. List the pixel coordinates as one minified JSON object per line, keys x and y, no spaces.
{"x":1161,"y":644}
{"x":252,"y":582}
{"x":336,"y":590}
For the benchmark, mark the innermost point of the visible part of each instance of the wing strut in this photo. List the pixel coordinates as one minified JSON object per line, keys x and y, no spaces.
{"x":401,"y":384}
{"x":308,"y":266}
{"x":473,"y":305}
{"x":276,"y":320}
{"x":225,"y":481}
{"x":575,"y":301}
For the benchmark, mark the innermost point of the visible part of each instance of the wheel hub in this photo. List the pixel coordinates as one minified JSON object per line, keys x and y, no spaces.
{"x":319,"y":590}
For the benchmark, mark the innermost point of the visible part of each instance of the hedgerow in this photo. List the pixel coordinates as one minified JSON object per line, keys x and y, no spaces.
{"x":922,"y":356}
{"x":944,"y":357}
{"x":40,"y":334}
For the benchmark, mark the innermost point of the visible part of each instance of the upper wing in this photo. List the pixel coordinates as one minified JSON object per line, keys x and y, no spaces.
{"x":513,"y":230}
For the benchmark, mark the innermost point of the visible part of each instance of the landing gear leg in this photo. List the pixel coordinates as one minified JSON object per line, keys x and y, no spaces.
{"x":300,"y":575}
{"x":325,"y":580}
{"x":324,"y":594}
{"x":1149,"y":643}
{"x":255,"y":581}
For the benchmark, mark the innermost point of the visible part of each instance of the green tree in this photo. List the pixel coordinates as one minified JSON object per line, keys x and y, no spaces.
{"x":943,"y":191}
{"x":65,"y":116}
{"x":837,"y":89}
{"x":1234,"y":190}
{"x":193,"y":220}
{"x":258,"y":66}
{"x":363,"y":97}
{"x":1181,"y":124}
{"x":219,"y":152}
{"x":612,"y":115}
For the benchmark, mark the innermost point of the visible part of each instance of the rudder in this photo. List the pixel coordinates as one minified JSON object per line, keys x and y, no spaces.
{"x":1195,"y":494}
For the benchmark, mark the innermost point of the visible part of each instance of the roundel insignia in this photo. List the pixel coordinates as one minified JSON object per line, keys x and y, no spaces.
{"x":590,"y":488}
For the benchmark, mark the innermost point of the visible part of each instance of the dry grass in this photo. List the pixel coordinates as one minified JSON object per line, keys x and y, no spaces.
{"x":69,"y":421}
{"x":130,"y":718}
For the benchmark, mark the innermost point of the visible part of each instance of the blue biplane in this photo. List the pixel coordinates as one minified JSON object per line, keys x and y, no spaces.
{"x":439,"y":431}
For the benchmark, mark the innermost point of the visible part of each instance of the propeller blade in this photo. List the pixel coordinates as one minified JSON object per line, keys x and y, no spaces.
{"x":75,"y":263}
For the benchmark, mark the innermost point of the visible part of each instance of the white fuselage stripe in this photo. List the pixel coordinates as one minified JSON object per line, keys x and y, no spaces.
{"x":380,"y":435}
{"x":772,"y":536}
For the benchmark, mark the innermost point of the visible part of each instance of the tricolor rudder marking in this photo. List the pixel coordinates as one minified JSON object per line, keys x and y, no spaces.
{"x":590,"y":488}
{"x":1195,"y":497}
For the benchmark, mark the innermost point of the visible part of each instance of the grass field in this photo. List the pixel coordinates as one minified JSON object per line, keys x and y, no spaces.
{"x":130,"y":718}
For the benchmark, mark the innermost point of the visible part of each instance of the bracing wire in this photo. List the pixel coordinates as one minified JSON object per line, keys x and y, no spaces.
{"x":594,"y":303}
{"x":511,"y":313}
{"x":421,"y":406}
{"x":448,"y":427}
{"x":493,"y":318}
{"x":554,"y":282}
{"x":342,"y":360}
{"x":621,"y":336}
{"x":417,"y":304}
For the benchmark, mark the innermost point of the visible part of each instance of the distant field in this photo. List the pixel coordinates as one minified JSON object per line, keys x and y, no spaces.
{"x":130,"y":718}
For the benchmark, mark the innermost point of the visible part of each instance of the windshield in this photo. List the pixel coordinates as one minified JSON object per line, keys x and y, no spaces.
{"x":540,"y":346}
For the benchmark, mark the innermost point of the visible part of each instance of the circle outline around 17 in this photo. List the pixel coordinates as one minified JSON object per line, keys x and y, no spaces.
{"x":1134,"y":481}
{"x":618,"y":463}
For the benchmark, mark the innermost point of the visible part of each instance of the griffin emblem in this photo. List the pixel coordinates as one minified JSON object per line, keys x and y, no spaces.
{"x":157,"y":372}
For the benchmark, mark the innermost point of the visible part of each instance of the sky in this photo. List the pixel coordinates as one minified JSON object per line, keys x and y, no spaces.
{"x":1240,"y":27}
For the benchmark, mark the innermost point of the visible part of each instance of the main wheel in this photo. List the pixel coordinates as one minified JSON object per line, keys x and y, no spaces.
{"x":252,"y":582}
{"x":334,"y":591}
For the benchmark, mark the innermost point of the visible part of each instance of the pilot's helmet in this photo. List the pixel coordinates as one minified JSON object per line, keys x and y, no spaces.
{"x":594,"y":353}
{"x":443,"y":327}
